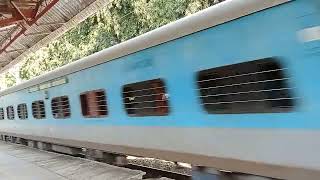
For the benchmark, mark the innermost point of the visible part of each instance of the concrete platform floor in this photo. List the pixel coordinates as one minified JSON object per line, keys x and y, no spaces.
{"x":19,"y":162}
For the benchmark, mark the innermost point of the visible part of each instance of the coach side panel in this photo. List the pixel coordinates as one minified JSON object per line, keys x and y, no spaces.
{"x":188,"y":127}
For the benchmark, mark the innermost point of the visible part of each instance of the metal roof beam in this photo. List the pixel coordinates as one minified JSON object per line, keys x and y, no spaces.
{"x":37,"y":8}
{"x":18,"y":10}
{"x":9,"y":21}
{"x":12,"y":39}
{"x":17,"y":14}
{"x":45,"y":10}
{"x":30,"y":23}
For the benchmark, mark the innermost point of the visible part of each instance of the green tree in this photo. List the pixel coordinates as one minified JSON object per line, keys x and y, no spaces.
{"x":119,"y":21}
{"x":155,"y":13}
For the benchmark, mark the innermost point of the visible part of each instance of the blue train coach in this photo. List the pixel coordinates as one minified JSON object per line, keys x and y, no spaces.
{"x":232,"y":87}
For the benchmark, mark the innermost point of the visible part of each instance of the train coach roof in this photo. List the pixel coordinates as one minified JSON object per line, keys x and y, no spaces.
{"x":224,"y":12}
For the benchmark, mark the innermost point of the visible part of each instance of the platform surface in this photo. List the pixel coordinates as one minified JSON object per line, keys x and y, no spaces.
{"x":19,"y":162}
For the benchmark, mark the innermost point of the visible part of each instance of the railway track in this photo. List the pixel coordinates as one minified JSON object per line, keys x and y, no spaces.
{"x":158,"y":173}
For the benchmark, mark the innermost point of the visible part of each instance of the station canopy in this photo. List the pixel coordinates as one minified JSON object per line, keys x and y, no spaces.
{"x":28,"y":25}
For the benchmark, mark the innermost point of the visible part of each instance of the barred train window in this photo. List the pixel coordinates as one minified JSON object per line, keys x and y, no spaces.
{"x":1,"y":114}
{"x":60,"y":107}
{"x":147,"y":98}
{"x":38,"y":109}
{"x":94,"y":104}
{"x":22,"y":111}
{"x":252,"y":87}
{"x":10,"y":112}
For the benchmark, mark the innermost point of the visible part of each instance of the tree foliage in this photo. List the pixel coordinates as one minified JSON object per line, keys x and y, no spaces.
{"x":10,"y":80}
{"x":119,"y":21}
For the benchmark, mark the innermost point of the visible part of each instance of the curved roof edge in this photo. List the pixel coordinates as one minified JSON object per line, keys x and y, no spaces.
{"x":212,"y":16}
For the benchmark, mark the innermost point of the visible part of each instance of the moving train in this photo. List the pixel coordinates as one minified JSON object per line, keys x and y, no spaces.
{"x":233,"y":87}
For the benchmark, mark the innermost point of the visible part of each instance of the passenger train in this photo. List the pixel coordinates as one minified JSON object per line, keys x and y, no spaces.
{"x":233,"y":87}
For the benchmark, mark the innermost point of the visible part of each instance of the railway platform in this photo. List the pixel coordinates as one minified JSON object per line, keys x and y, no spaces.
{"x":19,"y":162}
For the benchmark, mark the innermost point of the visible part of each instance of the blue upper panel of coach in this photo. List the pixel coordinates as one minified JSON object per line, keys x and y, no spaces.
{"x":269,"y":33}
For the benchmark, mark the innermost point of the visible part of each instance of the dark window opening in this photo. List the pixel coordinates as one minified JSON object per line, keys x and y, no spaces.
{"x":251,"y":87}
{"x":1,"y":114}
{"x":147,"y":98}
{"x":22,"y":111}
{"x":10,"y":112}
{"x":38,"y":109}
{"x":60,"y":107}
{"x":94,"y":104}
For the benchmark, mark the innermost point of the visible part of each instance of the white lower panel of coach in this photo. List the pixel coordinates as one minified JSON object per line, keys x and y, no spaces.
{"x":275,"y":153}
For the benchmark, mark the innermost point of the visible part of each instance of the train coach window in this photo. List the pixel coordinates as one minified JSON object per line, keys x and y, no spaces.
{"x":60,"y":107}
{"x":94,"y":104}
{"x":10,"y":112}
{"x":147,"y":98}
{"x":22,"y":111}
{"x":251,"y":87}
{"x":1,"y":114}
{"x":38,"y":109}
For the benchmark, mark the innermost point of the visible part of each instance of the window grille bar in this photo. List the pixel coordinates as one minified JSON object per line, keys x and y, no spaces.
{"x":148,"y":95}
{"x":246,"y":83}
{"x":141,"y":102}
{"x":241,"y":75}
{"x":253,"y":100}
{"x":247,"y":92}
{"x":146,"y":89}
